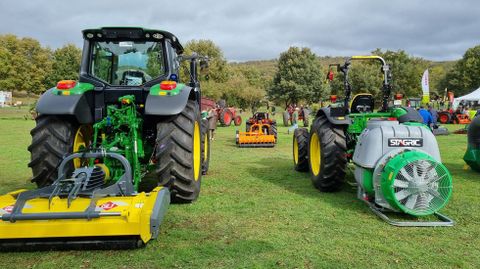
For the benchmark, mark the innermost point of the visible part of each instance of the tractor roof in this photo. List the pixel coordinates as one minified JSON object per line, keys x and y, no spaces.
{"x":131,"y":33}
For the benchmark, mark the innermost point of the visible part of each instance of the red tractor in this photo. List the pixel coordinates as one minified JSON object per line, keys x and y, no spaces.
{"x":225,"y":115}
{"x":455,"y":117}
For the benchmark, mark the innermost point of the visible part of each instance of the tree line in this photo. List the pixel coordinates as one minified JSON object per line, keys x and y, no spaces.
{"x":27,"y":66}
{"x":298,"y":76}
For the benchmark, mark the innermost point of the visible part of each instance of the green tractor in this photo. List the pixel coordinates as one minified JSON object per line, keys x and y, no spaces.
{"x":396,"y":158}
{"x":110,"y":150}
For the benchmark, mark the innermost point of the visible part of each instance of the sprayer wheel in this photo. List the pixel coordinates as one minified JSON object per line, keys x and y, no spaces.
{"x":327,"y":155}
{"x":179,"y":154}
{"x":52,"y":138}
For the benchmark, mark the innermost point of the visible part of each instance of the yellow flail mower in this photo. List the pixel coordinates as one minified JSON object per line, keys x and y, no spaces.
{"x":261,"y":131}
{"x":111,"y":150}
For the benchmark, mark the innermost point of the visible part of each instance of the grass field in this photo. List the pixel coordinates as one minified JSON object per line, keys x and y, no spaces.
{"x":255,"y":211}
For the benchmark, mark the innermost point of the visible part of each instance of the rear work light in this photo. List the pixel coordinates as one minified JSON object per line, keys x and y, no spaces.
{"x":66,"y":84}
{"x":168,"y":85}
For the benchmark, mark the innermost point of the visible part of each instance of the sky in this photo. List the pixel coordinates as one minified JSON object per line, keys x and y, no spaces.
{"x":258,"y":30}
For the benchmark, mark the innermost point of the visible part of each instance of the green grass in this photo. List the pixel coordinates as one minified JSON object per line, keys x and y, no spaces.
{"x":255,"y":211}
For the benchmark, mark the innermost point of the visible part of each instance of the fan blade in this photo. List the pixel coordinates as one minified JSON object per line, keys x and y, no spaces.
{"x":405,"y":174}
{"x":434,"y":193}
{"x":402,"y":194}
{"x":411,"y":201}
{"x":415,"y":171}
{"x":400,"y":183}
{"x":435,"y":179}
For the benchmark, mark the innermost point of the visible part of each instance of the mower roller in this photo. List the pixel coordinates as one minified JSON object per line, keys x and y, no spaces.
{"x":472,"y":155}
{"x":396,"y":158}
{"x":110,"y":151}
{"x":261,"y":131}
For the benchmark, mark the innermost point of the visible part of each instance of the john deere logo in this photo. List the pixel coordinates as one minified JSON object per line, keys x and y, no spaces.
{"x":405,"y":142}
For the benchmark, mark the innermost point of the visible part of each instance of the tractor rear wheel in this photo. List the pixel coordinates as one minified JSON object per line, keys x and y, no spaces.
{"x":205,"y":147}
{"x":179,"y":154}
{"x":327,"y":155}
{"x":273,"y":129}
{"x":237,"y":120}
{"x":300,"y":149}
{"x":286,"y":119}
{"x":52,"y":139}
{"x":444,"y":117}
{"x":226,"y":117}
{"x":247,"y":127}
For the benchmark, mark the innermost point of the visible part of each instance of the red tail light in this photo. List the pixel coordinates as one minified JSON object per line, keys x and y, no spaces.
{"x":168,"y":85}
{"x":333,"y":98}
{"x":66,"y":84}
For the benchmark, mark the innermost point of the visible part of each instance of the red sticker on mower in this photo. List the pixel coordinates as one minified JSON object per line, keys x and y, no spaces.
{"x":108,"y":205}
{"x":8,"y":208}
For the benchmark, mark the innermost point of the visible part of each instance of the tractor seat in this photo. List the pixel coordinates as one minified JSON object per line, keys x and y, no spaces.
{"x":362,"y":103}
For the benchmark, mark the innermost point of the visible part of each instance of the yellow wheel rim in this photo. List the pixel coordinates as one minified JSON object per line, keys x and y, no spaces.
{"x":295,"y":150}
{"x":206,"y":148}
{"x":197,"y":151}
{"x":81,"y":141}
{"x":315,"y":154}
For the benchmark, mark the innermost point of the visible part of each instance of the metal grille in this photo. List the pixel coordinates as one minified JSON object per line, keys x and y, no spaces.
{"x":422,"y":186}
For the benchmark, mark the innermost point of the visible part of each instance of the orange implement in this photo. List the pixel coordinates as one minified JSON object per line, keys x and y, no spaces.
{"x":259,"y":135}
{"x":463,"y":119}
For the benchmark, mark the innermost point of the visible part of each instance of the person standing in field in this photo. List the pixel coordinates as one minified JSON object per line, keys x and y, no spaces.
{"x":427,"y":118}
{"x":434,"y":114}
{"x":212,"y":122}
{"x":294,"y":120}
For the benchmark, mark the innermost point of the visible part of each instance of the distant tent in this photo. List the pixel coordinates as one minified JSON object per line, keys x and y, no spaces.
{"x":473,"y":96}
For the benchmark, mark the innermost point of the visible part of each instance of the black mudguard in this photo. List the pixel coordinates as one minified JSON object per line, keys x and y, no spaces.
{"x":76,"y":105}
{"x":156,"y":105}
{"x":336,"y":120}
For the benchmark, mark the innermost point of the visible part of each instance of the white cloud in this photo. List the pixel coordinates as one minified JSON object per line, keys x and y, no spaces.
{"x":248,"y":30}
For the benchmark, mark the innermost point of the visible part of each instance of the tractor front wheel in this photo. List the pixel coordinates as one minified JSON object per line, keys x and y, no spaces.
{"x":237,"y":120}
{"x":327,"y":155}
{"x":179,"y":154}
{"x":300,"y":149}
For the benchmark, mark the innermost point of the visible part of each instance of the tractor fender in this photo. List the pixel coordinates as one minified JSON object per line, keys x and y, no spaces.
{"x":77,"y":105}
{"x":158,"y":105}
{"x":336,"y":120}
